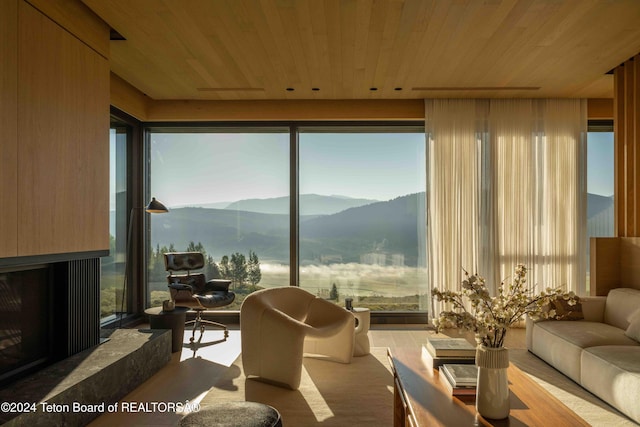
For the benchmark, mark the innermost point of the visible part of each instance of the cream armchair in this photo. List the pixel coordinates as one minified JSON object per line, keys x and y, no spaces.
{"x":280,"y":325}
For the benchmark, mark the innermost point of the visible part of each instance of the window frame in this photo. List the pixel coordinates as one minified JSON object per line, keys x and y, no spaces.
{"x":596,"y":126}
{"x":134,"y":187}
{"x":293,"y":127}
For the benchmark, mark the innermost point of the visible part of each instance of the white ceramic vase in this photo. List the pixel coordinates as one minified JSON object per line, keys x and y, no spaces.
{"x":492,"y":390}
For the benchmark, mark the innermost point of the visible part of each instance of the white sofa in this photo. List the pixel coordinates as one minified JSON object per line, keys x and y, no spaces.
{"x":595,"y":352}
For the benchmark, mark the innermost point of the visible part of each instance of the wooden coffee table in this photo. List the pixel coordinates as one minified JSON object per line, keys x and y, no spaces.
{"x":420,"y":399}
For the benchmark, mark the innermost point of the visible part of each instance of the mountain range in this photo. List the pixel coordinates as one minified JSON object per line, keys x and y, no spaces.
{"x":343,"y":235}
{"x":362,"y":227}
{"x":310,"y":204}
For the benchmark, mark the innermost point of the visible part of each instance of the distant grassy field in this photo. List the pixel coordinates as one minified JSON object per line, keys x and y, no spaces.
{"x":385,"y":288}
{"x":379,"y":288}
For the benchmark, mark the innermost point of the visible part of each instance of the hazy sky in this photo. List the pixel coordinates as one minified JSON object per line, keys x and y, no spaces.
{"x":207,"y":168}
{"x":600,"y":163}
{"x":194,"y":169}
{"x":370,"y":166}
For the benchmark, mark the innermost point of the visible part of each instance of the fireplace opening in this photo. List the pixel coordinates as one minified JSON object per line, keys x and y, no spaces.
{"x":26,"y":321}
{"x":48,"y":312}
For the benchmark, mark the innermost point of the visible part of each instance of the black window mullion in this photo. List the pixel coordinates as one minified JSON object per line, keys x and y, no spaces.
{"x":294,"y":241}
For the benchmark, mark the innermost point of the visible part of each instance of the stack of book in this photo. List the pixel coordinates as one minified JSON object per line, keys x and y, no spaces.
{"x":459,"y":379}
{"x":440,"y":350}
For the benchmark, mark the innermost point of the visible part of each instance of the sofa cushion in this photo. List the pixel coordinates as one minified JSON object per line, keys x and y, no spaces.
{"x":613,"y":374}
{"x":621,"y":303}
{"x":560,"y":343}
{"x":633,"y":331}
{"x":587,"y":334}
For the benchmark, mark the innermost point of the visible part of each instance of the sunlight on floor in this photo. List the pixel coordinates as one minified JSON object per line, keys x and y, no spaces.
{"x":316,"y":403}
{"x":211,"y":347}
{"x":200,"y":370}
{"x":185,"y":381}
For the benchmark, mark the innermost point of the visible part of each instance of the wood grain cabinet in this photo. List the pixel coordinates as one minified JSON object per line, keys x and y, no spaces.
{"x":59,"y":155}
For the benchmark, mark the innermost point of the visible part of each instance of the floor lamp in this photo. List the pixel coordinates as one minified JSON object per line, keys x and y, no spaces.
{"x":153,"y":207}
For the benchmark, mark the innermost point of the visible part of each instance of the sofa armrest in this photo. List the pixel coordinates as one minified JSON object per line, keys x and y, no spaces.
{"x":593,"y":308}
{"x":529,"y":331}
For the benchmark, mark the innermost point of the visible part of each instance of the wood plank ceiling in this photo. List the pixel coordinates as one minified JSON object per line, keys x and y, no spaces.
{"x":344,"y":49}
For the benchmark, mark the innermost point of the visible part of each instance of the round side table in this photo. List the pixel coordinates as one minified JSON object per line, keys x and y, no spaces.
{"x":174,"y":320}
{"x":363,"y":321}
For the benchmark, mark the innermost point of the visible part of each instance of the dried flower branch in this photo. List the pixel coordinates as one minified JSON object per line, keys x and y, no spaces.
{"x":490,"y":317}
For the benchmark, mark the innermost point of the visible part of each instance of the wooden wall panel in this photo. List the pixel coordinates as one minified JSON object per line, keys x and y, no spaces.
{"x":63,"y":153}
{"x":412,"y":109}
{"x":619,"y":152}
{"x":604,"y":269}
{"x":630,"y":262}
{"x":128,"y":99}
{"x":79,"y":20}
{"x":8,"y":126}
{"x":627,"y":147}
{"x":615,"y":263}
{"x":599,"y":108}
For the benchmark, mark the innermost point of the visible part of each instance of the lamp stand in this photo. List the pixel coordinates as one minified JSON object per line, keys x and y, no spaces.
{"x":154,"y":206}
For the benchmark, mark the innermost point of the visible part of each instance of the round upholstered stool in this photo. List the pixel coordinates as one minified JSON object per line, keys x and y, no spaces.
{"x":234,"y":414}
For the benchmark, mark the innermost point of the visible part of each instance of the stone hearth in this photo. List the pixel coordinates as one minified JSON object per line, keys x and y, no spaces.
{"x":94,"y":377}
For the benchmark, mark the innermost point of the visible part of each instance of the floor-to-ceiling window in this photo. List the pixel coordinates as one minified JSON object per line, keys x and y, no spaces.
{"x":362,"y":216}
{"x":112,"y":274}
{"x":361,"y":224}
{"x":227,"y":191}
{"x":600,"y":181}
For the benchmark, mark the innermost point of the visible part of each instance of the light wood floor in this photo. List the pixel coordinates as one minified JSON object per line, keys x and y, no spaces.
{"x":192,"y":372}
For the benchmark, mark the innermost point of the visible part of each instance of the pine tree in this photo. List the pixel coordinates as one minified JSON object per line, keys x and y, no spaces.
{"x":157,"y":270}
{"x":225,"y":268}
{"x":192,"y":247}
{"x":254,"y":275}
{"x":211,"y":270}
{"x":238,"y":269}
{"x":333,"y":295}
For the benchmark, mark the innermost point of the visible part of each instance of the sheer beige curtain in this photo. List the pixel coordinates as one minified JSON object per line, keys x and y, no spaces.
{"x":453,"y":203}
{"x":538,"y":190}
{"x":507,"y":186}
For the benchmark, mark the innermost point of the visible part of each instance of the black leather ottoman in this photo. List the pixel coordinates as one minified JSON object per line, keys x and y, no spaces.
{"x":234,"y":414}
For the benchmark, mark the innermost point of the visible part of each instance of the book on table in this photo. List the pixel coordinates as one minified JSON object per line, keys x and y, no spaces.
{"x":460,"y":375}
{"x":450,"y":347}
{"x":459,"y":391}
{"x":434,"y":362}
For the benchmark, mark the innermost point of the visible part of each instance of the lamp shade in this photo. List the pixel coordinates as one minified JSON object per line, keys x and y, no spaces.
{"x":155,"y":206}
